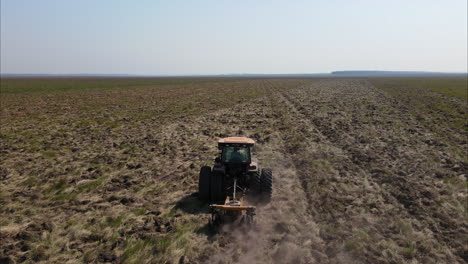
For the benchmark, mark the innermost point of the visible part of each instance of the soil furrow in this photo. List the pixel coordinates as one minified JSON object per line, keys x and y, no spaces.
{"x":374,"y":169}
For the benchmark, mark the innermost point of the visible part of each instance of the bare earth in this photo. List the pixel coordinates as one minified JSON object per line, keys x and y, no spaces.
{"x":358,"y":178}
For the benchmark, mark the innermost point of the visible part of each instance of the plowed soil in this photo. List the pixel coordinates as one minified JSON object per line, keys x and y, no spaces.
{"x":362,"y":174}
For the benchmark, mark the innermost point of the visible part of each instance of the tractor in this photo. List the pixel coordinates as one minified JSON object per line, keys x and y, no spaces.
{"x":235,"y":174}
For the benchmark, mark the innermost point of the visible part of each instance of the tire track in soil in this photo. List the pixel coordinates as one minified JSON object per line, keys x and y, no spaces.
{"x":285,"y":231}
{"x":301,"y":135}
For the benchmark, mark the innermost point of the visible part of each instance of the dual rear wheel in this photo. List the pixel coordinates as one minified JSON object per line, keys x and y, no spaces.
{"x":266,"y":184}
{"x":211,"y":185}
{"x":262,"y":184}
{"x":204,"y":183}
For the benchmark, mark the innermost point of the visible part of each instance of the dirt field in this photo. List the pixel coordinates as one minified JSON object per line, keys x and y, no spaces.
{"x":365,"y":171}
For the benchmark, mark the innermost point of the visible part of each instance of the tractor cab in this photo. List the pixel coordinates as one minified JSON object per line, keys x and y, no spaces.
{"x":235,"y":154}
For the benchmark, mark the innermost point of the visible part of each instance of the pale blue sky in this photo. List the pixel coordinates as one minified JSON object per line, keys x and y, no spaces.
{"x":215,"y":37}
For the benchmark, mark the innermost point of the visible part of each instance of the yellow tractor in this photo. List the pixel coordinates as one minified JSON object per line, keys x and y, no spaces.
{"x":235,"y":174}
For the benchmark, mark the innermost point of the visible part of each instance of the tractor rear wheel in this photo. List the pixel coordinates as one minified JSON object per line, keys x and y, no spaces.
{"x":204,"y":183}
{"x":266,"y":182}
{"x":217,"y":187}
{"x":255,"y":183}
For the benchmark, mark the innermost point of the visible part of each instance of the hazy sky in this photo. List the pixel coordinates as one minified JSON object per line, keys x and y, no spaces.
{"x":213,"y":37}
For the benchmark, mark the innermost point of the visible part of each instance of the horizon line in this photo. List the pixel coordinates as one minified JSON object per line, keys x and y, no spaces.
{"x":343,"y":72}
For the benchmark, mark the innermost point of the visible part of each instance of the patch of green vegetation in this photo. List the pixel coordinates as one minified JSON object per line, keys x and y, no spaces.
{"x":91,"y":185}
{"x":35,"y":146}
{"x":162,"y":244}
{"x":167,"y":215}
{"x":410,"y":251}
{"x":454,"y":87}
{"x":321,"y":163}
{"x":359,"y":239}
{"x":65,"y":196}
{"x":3,"y":222}
{"x":456,"y":182}
{"x":178,"y":239}
{"x":57,"y":187}
{"x":31,"y":181}
{"x":139,"y":211}
{"x":56,"y":191}
{"x":135,"y":248}
{"x":158,"y":188}
{"x":127,"y":149}
{"x":114,"y":222}
{"x":90,"y":256}
{"x":405,"y":227}
{"x":28,"y":212}
{"x":82,"y":123}
{"x":351,"y":245}
{"x":38,"y":253}
{"x":139,"y":187}
{"x":151,"y":245}
{"x":49,"y":154}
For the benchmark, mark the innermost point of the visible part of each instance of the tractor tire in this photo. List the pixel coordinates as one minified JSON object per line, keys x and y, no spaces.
{"x":255,"y":184}
{"x":266,"y":182}
{"x":204,"y":180}
{"x":217,"y":187}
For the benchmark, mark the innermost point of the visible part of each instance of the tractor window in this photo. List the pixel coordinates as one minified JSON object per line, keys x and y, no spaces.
{"x":232,"y":153}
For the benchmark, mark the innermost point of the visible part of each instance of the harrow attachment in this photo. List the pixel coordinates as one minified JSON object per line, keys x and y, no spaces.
{"x":232,"y":210}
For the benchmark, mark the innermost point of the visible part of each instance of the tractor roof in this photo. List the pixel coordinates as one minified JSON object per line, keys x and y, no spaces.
{"x":238,"y":140}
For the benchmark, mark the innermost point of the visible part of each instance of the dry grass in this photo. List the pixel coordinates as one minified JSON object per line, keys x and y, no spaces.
{"x":108,"y":173}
